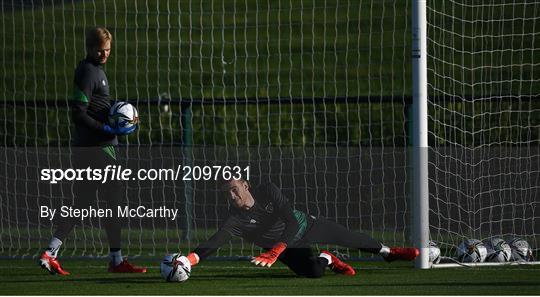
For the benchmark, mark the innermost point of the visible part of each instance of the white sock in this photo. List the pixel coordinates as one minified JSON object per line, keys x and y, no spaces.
{"x":116,"y":257}
{"x":385,"y":251}
{"x":327,"y":257}
{"x":54,"y":246}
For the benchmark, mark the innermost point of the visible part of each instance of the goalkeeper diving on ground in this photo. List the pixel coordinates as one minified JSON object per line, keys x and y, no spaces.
{"x":264,"y":216}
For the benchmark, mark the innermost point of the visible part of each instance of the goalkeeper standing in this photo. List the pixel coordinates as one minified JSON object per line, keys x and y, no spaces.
{"x":265,"y":217}
{"x":94,"y":146}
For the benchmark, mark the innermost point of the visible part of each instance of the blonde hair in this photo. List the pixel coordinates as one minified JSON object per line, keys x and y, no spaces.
{"x":96,"y":37}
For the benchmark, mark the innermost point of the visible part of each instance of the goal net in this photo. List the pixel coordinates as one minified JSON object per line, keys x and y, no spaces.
{"x":484,"y":121}
{"x":313,"y":95}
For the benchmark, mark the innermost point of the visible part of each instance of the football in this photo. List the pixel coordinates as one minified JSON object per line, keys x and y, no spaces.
{"x":434,"y":253}
{"x":175,"y":268}
{"x":520,"y":250}
{"x":498,"y":250}
{"x":471,"y":251}
{"x":123,"y":114}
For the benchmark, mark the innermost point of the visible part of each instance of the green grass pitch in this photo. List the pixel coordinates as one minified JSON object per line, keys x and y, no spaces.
{"x":89,"y":277}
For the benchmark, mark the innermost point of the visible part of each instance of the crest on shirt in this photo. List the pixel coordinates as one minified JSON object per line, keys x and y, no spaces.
{"x":103,"y":82}
{"x":269,"y":208}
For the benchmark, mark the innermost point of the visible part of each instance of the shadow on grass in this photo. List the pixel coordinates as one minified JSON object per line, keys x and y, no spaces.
{"x":247,"y":276}
{"x":149,"y":278}
{"x":434,"y":284}
{"x":89,"y":279}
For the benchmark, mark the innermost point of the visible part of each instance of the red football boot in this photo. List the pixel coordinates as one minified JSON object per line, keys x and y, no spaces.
{"x":126,"y":267}
{"x":402,"y":253}
{"x":339,"y":266}
{"x":51,"y":264}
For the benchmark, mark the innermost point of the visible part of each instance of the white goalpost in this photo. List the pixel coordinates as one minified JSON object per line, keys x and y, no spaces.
{"x":475,"y":67}
{"x":420,"y":137}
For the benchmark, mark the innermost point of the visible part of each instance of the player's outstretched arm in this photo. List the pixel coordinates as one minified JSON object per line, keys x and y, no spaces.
{"x":209,"y":247}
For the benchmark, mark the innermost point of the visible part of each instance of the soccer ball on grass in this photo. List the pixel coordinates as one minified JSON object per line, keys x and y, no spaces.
{"x":434,"y":253}
{"x":521,"y":250}
{"x":175,"y":268}
{"x":498,"y":250}
{"x":471,"y":251}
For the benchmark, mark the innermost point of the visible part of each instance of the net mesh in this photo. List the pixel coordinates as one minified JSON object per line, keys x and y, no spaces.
{"x":314,"y":93}
{"x":483,"y":76}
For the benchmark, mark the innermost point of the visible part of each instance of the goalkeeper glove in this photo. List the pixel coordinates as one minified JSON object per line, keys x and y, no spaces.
{"x":120,"y":130}
{"x":268,"y":258}
{"x":193,"y":259}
